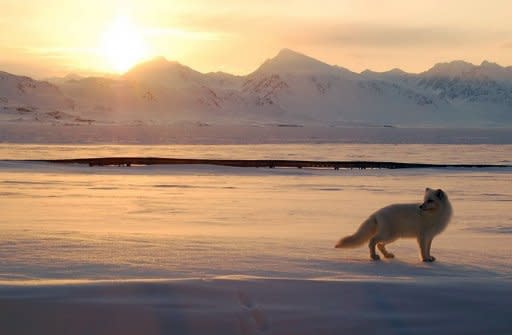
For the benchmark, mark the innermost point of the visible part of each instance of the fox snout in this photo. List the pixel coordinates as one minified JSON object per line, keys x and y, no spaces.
{"x":428,"y":206}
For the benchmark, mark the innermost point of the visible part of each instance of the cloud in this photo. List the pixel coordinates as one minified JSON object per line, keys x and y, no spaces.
{"x":41,"y":62}
{"x":184,"y":34}
{"x":290,"y":30}
{"x":59,"y":51}
{"x":60,"y":54}
{"x":375,"y":35}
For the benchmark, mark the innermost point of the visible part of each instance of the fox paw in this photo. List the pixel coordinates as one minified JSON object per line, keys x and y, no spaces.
{"x":375,"y":257}
{"x":429,"y":259}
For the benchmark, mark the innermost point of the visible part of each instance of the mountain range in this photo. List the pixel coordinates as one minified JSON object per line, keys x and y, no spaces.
{"x":290,"y":88}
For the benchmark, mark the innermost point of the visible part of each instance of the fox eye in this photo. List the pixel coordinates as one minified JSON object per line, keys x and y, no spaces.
{"x":430,"y":200}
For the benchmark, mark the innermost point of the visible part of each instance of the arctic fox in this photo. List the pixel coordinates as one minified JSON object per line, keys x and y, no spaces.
{"x":421,"y":221}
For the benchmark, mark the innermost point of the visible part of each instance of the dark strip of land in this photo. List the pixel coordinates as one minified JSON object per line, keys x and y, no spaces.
{"x":128,"y":161}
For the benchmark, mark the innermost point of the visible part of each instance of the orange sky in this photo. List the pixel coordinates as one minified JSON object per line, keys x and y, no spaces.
{"x":56,"y":37}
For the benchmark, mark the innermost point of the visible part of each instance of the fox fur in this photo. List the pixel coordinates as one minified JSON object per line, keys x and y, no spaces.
{"x":420,"y":221}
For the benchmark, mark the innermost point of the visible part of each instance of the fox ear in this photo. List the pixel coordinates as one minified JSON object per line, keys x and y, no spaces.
{"x":428,"y":189}
{"x":440,"y":194}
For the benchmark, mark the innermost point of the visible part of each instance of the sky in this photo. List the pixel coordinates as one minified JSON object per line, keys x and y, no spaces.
{"x":57,"y":37}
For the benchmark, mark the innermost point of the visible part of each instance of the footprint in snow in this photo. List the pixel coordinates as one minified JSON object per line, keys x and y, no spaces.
{"x":252,"y":319}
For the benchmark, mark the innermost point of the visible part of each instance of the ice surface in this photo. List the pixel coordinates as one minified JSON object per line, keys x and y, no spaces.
{"x":219,"y":250}
{"x":257,"y":306}
{"x":256,"y":133}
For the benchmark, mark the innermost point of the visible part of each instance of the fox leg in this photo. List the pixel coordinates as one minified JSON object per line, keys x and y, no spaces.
{"x":424,"y":244}
{"x":382,"y":248}
{"x":373,"y":255}
{"x":429,"y":244}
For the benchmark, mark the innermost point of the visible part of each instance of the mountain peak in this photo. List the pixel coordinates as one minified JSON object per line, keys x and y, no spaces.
{"x":289,"y":53}
{"x":395,"y":72}
{"x":491,"y":65}
{"x":453,"y":68}
{"x":495,"y":71}
{"x":160,"y":68}
{"x":290,"y":61}
{"x":159,"y":62}
{"x":486,"y":70}
{"x":159,"y":59}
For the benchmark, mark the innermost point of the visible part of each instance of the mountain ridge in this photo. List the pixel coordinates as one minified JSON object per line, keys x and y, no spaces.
{"x":288,"y":88}
{"x":484,"y":63}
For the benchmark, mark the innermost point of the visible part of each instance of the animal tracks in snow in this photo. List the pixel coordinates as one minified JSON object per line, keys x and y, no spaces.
{"x":252,"y":319}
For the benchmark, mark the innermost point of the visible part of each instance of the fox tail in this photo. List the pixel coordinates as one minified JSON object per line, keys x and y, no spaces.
{"x":363,"y":234}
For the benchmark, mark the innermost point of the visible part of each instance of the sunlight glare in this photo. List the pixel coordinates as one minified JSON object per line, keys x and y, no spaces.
{"x":123,"y":45}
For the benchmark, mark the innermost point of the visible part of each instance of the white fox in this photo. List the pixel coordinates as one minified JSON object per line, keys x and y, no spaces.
{"x":421,"y":221}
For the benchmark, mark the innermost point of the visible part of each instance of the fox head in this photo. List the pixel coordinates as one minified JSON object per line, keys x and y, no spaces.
{"x":433,"y":199}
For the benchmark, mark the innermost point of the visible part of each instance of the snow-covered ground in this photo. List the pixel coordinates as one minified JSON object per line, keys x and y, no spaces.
{"x":216,"y":250}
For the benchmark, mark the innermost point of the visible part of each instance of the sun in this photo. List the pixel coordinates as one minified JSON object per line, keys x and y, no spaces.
{"x":122,"y":45}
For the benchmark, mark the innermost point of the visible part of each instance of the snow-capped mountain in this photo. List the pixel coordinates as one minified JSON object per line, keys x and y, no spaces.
{"x":475,"y":94}
{"x":290,"y":88}
{"x":25,"y":99}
